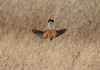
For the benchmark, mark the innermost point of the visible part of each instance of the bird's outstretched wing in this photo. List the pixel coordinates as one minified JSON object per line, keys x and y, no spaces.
{"x":60,"y":32}
{"x":38,"y":33}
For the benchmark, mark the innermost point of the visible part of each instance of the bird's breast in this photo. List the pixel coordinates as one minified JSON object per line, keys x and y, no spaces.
{"x":53,"y":33}
{"x":49,"y":34}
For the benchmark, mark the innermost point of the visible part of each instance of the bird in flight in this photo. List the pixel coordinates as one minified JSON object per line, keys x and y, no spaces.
{"x":50,"y":33}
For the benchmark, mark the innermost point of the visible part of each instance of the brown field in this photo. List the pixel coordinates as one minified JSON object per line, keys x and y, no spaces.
{"x":77,"y":49}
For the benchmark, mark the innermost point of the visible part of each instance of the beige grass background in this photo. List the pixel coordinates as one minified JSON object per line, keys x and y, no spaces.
{"x":77,"y":49}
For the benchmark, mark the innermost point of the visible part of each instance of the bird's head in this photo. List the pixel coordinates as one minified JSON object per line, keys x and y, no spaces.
{"x":50,"y":23}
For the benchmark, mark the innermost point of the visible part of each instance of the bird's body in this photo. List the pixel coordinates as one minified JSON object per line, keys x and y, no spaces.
{"x":50,"y":33}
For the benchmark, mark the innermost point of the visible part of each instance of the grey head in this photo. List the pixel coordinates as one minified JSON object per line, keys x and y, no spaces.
{"x":50,"y":23}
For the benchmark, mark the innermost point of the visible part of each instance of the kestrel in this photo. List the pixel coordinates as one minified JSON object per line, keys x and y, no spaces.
{"x":50,"y":33}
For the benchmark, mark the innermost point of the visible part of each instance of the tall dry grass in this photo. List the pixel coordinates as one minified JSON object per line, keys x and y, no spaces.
{"x":77,"y":49}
